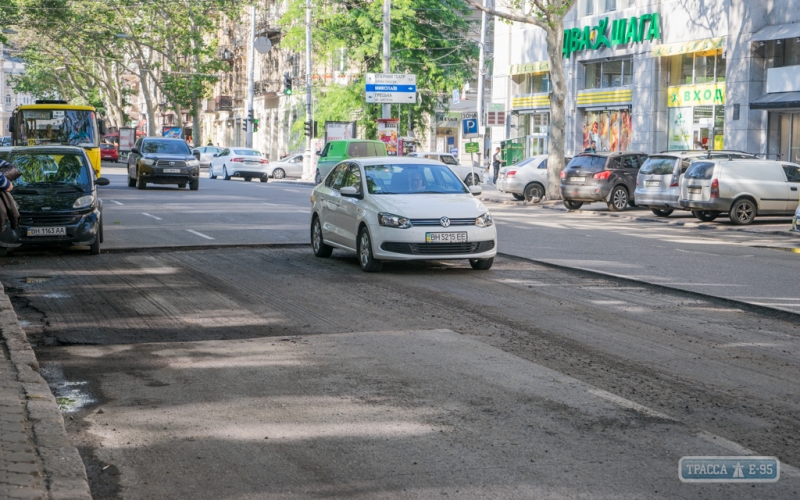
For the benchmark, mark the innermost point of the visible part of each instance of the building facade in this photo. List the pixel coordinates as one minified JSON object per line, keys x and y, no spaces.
{"x":9,"y":68}
{"x":650,"y":76}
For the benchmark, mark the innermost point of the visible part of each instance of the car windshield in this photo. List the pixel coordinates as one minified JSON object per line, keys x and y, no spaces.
{"x":658,"y":165}
{"x":700,"y":170}
{"x":56,"y":126}
{"x":246,"y":152}
{"x":165,"y":147}
{"x":412,"y":179}
{"x":588,"y":162}
{"x":54,"y":168}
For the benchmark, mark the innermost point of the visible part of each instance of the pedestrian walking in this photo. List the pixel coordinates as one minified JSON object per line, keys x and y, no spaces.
{"x":497,"y":161}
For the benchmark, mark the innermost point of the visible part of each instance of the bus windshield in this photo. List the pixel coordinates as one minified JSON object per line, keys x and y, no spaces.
{"x":66,"y":127}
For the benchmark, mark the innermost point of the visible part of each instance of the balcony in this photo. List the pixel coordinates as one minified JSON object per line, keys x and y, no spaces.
{"x":223,"y":103}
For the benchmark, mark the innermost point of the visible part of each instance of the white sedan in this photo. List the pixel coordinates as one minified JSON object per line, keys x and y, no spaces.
{"x":239,"y":162}
{"x":206,"y":154}
{"x":526,"y":180}
{"x":291,"y":166}
{"x":398,"y":209}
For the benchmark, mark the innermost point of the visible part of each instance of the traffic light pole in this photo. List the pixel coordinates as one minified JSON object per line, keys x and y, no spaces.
{"x":387,"y":49}
{"x":251,"y":64}
{"x":308,"y":163}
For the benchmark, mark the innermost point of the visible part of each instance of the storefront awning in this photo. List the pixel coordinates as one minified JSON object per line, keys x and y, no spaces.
{"x":777,"y":32}
{"x":778,"y":100}
{"x":672,"y":49}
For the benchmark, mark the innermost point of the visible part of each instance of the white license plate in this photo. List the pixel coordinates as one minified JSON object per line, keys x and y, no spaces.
{"x":652,"y":184}
{"x":172,"y":170}
{"x":695,"y":190}
{"x":47,"y":231}
{"x":445,"y":237}
{"x":252,"y":162}
{"x":577,"y":179}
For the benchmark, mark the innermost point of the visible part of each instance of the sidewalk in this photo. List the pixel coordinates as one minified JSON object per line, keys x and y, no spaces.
{"x":37,"y":460}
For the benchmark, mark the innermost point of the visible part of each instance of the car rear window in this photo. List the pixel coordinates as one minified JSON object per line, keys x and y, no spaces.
{"x":589,"y":162}
{"x":246,"y":152}
{"x":656,"y":165}
{"x":700,"y":170}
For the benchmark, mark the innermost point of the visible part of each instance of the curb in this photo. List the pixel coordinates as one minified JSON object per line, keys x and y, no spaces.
{"x":64,"y":472}
{"x":294,"y":182}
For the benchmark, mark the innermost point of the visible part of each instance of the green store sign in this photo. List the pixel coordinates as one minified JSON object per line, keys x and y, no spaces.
{"x":623,"y":31}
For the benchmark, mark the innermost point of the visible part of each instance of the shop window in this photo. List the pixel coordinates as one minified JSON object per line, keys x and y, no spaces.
{"x":696,"y":68}
{"x":532,"y":83}
{"x":786,"y":52}
{"x":540,"y":123}
{"x":611,"y":130}
{"x":609,"y":74}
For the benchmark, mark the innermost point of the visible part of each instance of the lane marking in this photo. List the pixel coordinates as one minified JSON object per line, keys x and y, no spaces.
{"x":200,"y":234}
{"x":786,"y":469}
{"x":115,"y":201}
{"x":627,"y":403}
{"x":153,"y":216}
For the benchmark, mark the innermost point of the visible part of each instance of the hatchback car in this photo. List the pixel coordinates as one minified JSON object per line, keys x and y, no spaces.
{"x":239,"y":162}
{"x":108,"y":152}
{"x":741,"y":188}
{"x":291,"y":166}
{"x":468,"y":174}
{"x":161,"y":160}
{"x":607,"y":177}
{"x":206,"y":154}
{"x":658,"y":182}
{"x":57,"y":199}
{"x":400,"y":209}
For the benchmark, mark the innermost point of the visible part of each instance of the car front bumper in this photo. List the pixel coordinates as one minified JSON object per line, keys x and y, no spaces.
{"x":158,"y":176}
{"x":410,"y":244}
{"x":81,"y":229}
{"x":577,"y":192}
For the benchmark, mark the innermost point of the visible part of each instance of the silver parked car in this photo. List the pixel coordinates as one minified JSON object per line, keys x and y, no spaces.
{"x":658,"y":182}
{"x":742,"y":188}
{"x":526,"y":180}
{"x":206,"y":154}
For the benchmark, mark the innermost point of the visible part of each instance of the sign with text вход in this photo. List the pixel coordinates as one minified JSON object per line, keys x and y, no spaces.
{"x":388,"y":88}
{"x":623,"y":31}
{"x":696,"y":95}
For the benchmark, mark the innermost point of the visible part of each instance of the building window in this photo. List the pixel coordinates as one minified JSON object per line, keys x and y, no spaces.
{"x":8,"y":98}
{"x":610,"y":5}
{"x":610,"y":130}
{"x":697,"y":68}
{"x":786,"y":52}
{"x":609,"y":74}
{"x":532,"y":83}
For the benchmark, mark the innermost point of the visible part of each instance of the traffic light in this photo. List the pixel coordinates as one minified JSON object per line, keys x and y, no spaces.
{"x":244,"y":125}
{"x":255,"y":125}
{"x":307,"y":126}
{"x":287,"y":84}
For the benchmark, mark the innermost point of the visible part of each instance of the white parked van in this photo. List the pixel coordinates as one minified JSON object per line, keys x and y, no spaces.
{"x":742,"y":188}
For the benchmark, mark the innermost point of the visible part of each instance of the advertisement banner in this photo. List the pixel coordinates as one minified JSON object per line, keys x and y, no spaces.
{"x":387,"y":132}
{"x":127,"y":137}
{"x":172,"y":132}
{"x":680,"y":131}
{"x":339,"y":130}
{"x":696,"y":95}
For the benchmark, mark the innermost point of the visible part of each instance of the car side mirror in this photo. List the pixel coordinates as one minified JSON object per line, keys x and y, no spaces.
{"x":196,"y":154}
{"x":350,"y":192}
{"x":102,"y":181}
{"x":319,"y":153}
{"x":216,"y":154}
{"x":135,"y":151}
{"x":476,"y":190}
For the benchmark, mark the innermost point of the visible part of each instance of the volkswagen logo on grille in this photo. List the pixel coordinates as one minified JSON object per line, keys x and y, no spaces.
{"x":172,"y":164}
{"x":444,"y":221}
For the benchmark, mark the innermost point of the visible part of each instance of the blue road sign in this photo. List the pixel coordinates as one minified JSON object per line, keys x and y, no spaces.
{"x":469,"y":127}
{"x":742,"y":469}
{"x":378,"y":87}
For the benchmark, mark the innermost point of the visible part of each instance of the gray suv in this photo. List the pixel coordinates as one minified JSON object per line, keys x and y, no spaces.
{"x":607,"y":177}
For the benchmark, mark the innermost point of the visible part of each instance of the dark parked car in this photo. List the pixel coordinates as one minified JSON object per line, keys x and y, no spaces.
{"x":159,"y":160}
{"x":57,"y":199}
{"x":607,"y":177}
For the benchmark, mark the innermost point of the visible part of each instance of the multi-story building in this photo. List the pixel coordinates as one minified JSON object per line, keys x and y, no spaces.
{"x":651,"y":75}
{"x":10,"y":67}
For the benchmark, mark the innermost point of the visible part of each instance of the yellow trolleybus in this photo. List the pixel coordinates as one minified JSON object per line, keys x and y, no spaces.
{"x":56,"y":122}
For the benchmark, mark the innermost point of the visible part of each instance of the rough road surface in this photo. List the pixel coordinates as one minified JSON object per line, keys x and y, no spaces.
{"x":265,"y":372}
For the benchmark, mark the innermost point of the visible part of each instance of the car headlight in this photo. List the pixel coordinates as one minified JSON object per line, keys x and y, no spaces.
{"x":147,"y":162}
{"x":392,"y":220}
{"x":193,"y":163}
{"x":484,"y":220}
{"x":83,"y":201}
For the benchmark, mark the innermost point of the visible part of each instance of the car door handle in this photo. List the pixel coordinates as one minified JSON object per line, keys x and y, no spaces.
{"x":793,"y":189}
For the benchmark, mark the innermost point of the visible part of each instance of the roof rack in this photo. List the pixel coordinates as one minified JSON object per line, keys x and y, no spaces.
{"x":51,"y":101}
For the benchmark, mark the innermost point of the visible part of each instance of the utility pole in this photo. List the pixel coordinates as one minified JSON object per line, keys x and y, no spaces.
{"x":251,"y":65}
{"x":387,"y":48}
{"x":308,"y":164}
{"x":481,"y":76}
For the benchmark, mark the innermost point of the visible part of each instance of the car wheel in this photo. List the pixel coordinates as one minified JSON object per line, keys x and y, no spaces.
{"x":518,"y":196}
{"x":662,"y":213}
{"x":481,"y":264}
{"x":131,"y":182}
{"x":472,"y":180}
{"x":225,"y":173}
{"x":140,"y":182}
{"x":317,"y":178}
{"x":365,"y":257}
{"x":94,"y":249}
{"x":194,"y":185}
{"x":573,"y":205}
{"x":705,"y":215}
{"x":619,"y":199}
{"x":534,"y":193}
{"x":742,"y":212}
{"x":3,"y":251}
{"x":319,"y":246}
{"x":278,"y":173}
{"x":264,"y":178}
{"x":211,"y":173}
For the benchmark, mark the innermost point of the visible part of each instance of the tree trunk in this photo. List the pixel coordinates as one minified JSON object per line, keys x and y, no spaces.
{"x":556,"y":133}
{"x":197,"y":139}
{"x":151,"y":125}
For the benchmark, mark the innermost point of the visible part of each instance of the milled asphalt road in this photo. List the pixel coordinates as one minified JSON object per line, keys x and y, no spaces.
{"x":269,"y":373}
